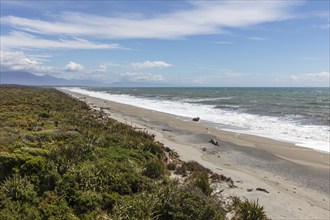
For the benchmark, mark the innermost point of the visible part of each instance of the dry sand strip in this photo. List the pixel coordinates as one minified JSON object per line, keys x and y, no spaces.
{"x":294,"y":181}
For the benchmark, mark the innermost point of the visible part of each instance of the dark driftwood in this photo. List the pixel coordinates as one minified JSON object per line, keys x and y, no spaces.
{"x":214,"y":142}
{"x":196,"y":119}
{"x":262,"y":190}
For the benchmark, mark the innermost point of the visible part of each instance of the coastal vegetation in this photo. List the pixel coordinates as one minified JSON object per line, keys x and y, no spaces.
{"x":59,"y":159}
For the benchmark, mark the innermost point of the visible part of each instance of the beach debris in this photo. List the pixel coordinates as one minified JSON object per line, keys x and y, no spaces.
{"x":173,"y":154}
{"x":196,"y":119}
{"x":170,"y":155}
{"x":221,"y":178}
{"x":230,"y":182}
{"x":171,"y":166}
{"x":262,"y":190}
{"x":204,"y":148}
{"x":182,"y":170}
{"x":107,"y":108}
{"x":249,"y":190}
{"x":214,"y":142}
{"x":218,"y":177}
{"x":166,"y":130}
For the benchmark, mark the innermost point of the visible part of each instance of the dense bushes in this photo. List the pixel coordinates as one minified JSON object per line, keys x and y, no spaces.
{"x":59,"y":161}
{"x":187,"y":202}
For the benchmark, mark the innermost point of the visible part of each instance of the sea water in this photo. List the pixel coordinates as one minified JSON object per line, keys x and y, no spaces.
{"x":296,"y":115}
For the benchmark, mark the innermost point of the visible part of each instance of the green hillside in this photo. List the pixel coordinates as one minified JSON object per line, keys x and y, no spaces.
{"x":61,"y":160}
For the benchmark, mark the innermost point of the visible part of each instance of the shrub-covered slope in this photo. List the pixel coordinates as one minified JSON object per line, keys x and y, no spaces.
{"x":61,"y":160}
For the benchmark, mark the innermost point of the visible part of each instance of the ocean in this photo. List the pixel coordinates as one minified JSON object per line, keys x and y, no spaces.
{"x":296,"y":115}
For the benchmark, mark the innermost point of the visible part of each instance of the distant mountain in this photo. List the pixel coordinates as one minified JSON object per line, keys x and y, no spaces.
{"x":26,"y":78}
{"x":30,"y":79}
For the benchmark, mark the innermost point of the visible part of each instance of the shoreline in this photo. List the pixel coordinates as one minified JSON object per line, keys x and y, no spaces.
{"x":296,"y":178}
{"x":281,"y":129}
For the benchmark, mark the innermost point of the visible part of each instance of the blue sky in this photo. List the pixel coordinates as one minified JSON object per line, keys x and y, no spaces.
{"x":187,"y":43}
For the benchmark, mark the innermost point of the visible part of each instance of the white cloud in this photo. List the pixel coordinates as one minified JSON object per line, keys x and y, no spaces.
{"x":257,"y":38}
{"x":103,"y":67}
{"x":141,"y":77}
{"x":319,"y":77}
{"x":220,"y":77}
{"x":98,"y":73}
{"x":150,"y":64}
{"x":23,"y":40}
{"x":18,"y":61}
{"x":322,"y":26}
{"x":198,"y":18}
{"x":231,"y":74}
{"x":73,"y":67}
{"x":224,"y":42}
{"x":310,"y":58}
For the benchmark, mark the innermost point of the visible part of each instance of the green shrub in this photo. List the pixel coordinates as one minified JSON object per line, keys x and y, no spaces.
{"x":187,"y":203}
{"x":12,"y":163}
{"x":110,"y":200}
{"x":49,"y":178}
{"x":251,"y":210}
{"x":87,"y":200}
{"x":181,"y":170}
{"x":53,"y":207}
{"x":153,"y":148}
{"x":154,"y":169}
{"x":236,"y":201}
{"x":195,"y":167}
{"x":33,"y":165}
{"x":12,"y":210}
{"x":141,"y":206}
{"x":44,"y":114}
{"x":171,"y":166}
{"x":19,"y":189}
{"x":201,"y":180}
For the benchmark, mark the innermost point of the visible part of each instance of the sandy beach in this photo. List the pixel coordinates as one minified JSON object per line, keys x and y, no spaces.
{"x":295,"y":179}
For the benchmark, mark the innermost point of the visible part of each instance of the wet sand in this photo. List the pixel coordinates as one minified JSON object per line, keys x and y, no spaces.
{"x":296,"y":178}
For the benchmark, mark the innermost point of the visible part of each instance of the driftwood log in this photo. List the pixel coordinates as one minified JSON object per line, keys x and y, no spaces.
{"x":214,"y":142}
{"x":196,"y":119}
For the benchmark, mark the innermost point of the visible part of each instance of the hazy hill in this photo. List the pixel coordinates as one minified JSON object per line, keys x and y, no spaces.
{"x":30,"y":79}
{"x":26,"y":78}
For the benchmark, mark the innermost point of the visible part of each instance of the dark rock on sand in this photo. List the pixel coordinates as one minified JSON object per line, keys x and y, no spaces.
{"x":214,"y":142}
{"x":196,"y":119}
{"x":262,"y":190}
